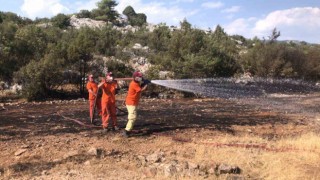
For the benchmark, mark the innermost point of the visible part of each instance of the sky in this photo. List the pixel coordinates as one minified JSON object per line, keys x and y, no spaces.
{"x":295,"y":19}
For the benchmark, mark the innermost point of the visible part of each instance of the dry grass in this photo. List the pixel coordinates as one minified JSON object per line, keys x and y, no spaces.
{"x":299,"y":159}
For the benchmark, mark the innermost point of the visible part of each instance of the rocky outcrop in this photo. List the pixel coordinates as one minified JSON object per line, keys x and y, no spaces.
{"x":15,"y":88}
{"x":140,"y":63}
{"x":44,"y":25}
{"x":85,"y":22}
{"x":158,"y":163}
{"x":166,"y":74}
{"x":126,"y":29}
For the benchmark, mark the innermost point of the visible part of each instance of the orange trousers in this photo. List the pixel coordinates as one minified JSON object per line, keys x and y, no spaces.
{"x":91,"y":106}
{"x":108,"y":110}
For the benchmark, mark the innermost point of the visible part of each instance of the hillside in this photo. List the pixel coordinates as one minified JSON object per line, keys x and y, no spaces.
{"x":69,"y":47}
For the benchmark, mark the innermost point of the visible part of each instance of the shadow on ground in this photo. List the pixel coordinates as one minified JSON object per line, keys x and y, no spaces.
{"x":155,"y":116}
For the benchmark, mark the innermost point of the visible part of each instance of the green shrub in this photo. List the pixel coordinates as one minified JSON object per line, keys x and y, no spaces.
{"x":84,"y":14}
{"x":134,"y":18}
{"x":62,"y":21}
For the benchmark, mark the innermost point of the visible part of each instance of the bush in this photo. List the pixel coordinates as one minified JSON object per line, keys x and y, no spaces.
{"x":62,"y":21}
{"x":105,"y":11}
{"x":137,"y":20}
{"x":280,"y":60}
{"x":31,"y":77}
{"x":129,"y":11}
{"x":39,"y":78}
{"x":119,"y":69}
{"x":84,"y":14}
{"x":134,"y":18}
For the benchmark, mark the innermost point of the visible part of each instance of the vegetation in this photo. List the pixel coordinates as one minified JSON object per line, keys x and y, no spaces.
{"x":134,"y":18}
{"x":84,"y":14}
{"x":39,"y":57}
{"x":270,"y":59}
{"x":105,"y":11}
{"x":61,"y":21}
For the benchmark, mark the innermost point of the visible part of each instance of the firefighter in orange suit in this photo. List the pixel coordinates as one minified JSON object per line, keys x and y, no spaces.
{"x":92,"y":88}
{"x":108,"y":102}
{"x":132,"y":100}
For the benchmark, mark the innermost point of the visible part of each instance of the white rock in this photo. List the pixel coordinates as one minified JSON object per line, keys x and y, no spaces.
{"x":93,"y":151}
{"x":155,"y":157}
{"x":85,"y":22}
{"x":19,"y":152}
{"x":137,"y":46}
{"x":16,"y":88}
{"x":87,"y":163}
{"x":227,"y":169}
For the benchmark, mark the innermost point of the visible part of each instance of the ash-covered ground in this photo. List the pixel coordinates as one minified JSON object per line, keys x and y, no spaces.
{"x":174,"y":138}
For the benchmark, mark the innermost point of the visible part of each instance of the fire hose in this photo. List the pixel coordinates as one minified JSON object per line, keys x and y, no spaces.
{"x":78,"y":121}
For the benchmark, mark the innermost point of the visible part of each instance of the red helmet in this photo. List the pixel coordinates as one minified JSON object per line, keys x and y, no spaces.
{"x":109,"y":74}
{"x":137,"y":74}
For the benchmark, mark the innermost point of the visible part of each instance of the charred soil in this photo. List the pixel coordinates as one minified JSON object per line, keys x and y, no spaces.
{"x":173,"y":138}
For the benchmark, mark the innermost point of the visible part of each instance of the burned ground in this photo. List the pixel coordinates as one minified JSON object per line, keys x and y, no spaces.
{"x":45,"y":139}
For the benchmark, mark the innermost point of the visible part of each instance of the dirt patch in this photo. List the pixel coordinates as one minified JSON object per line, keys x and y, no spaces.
{"x":186,"y":138}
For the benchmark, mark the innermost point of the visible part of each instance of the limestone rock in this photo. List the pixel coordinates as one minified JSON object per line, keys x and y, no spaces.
{"x":19,"y":152}
{"x":137,"y":46}
{"x":87,"y":163}
{"x":16,"y":88}
{"x":25,"y":146}
{"x":85,"y":22}
{"x":93,"y":151}
{"x":155,"y":157}
{"x":170,"y":169}
{"x":228,"y":169}
{"x":142,"y":160}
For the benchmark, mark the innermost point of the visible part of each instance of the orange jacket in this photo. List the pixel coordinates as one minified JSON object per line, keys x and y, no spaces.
{"x":93,"y":87}
{"x":109,"y":91}
{"x":133,"y":94}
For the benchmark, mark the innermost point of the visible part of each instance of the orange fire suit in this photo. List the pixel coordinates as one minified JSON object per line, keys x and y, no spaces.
{"x":108,"y":103}
{"x":92,"y":97}
{"x":132,"y":101}
{"x":134,"y":92}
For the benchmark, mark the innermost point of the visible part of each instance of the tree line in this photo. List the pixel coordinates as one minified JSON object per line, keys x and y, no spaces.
{"x":38,"y":57}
